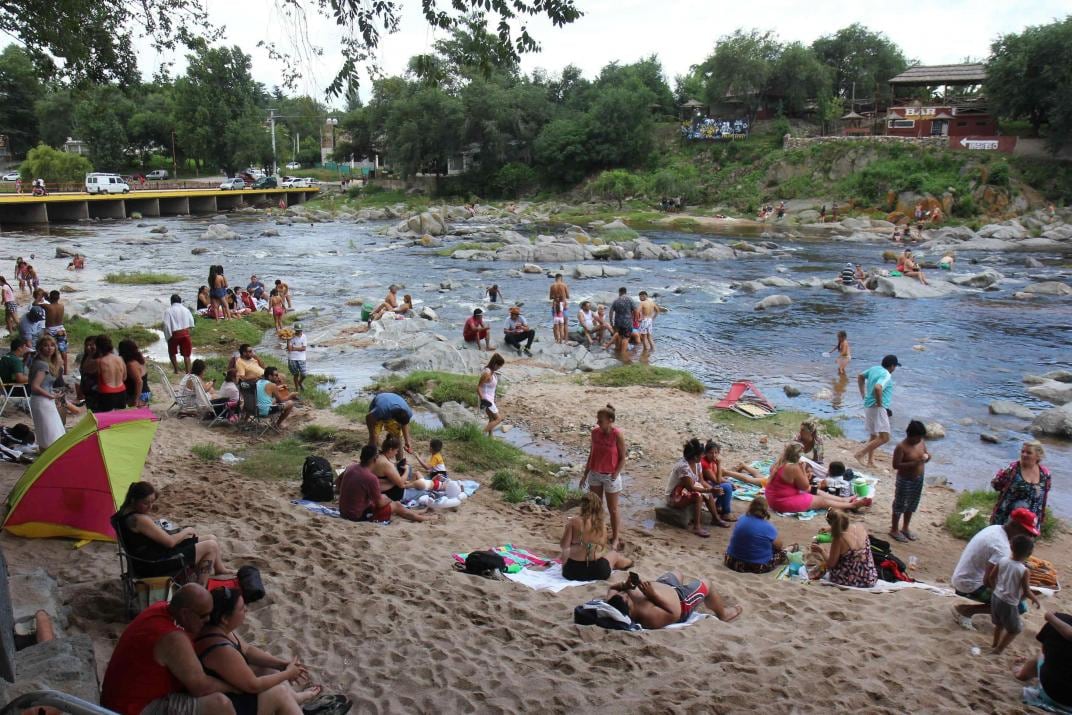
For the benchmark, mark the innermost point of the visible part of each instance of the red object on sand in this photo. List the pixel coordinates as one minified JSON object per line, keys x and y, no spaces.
{"x":737,"y":391}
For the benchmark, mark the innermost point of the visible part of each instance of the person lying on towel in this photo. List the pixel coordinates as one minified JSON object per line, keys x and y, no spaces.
{"x":667,"y":600}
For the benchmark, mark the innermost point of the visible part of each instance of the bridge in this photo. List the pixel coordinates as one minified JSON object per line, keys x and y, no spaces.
{"x":67,"y":207}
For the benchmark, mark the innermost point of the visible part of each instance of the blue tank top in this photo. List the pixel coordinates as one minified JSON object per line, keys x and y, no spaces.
{"x":264,"y":400}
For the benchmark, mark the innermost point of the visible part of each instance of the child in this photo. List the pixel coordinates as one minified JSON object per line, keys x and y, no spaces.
{"x":275,"y":305}
{"x":436,"y":468}
{"x":559,"y":322}
{"x":1008,"y":580}
{"x":908,"y":459}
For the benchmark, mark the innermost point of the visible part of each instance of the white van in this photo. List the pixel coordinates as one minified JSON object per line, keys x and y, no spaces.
{"x":106,"y":184}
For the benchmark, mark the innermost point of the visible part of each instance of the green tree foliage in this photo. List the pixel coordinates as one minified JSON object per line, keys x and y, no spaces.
{"x":514,"y":179}
{"x":54,"y":166}
{"x":617,"y":185}
{"x":423,"y":129}
{"x":679,"y":180}
{"x":216,"y":114}
{"x":55,"y":116}
{"x":741,"y":69}
{"x":20,"y":89}
{"x":797,"y":77}
{"x":561,"y":150}
{"x":858,"y":55}
{"x":1029,"y":76}
{"x":152,"y":122}
{"x":102,"y":113}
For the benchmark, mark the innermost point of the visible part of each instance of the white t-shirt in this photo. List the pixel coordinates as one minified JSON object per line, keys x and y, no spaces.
{"x":177,"y":317}
{"x":1008,"y":583}
{"x":297,"y":348}
{"x":680,"y":471}
{"x":987,"y":547}
{"x":586,"y":318}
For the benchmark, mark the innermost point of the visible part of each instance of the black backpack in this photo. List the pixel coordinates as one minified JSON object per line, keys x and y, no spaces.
{"x":480,"y":563}
{"x":318,"y":479}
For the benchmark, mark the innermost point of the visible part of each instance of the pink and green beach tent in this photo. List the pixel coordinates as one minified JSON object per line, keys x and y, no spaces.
{"x":75,"y":485}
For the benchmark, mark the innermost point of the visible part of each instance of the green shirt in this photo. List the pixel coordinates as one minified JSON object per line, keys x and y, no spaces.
{"x":10,"y":366}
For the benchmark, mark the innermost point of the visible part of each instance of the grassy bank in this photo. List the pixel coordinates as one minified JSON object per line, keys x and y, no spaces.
{"x":439,"y":387}
{"x":79,"y":328}
{"x":143,"y":278}
{"x":984,"y":500}
{"x":783,"y":425}
{"x":646,"y":376}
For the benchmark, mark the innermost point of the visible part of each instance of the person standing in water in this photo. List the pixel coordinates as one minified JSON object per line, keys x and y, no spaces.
{"x":647,"y":311}
{"x":842,"y":351}
{"x":559,"y":296}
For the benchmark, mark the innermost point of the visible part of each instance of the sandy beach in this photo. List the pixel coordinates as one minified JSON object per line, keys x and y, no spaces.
{"x":378,"y":612}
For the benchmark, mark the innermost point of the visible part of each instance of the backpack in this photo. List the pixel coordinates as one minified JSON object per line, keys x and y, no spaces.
{"x":889,"y":566}
{"x":480,"y":563}
{"x":600,"y":613}
{"x":318,"y":479}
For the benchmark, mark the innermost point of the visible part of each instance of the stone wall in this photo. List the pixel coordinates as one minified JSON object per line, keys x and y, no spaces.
{"x":791,"y":142}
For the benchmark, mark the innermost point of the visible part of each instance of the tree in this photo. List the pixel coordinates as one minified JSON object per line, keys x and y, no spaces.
{"x":94,"y":38}
{"x":561,"y":150}
{"x":861,"y":57}
{"x":20,"y":89}
{"x":1029,"y":75}
{"x":55,"y":116}
{"x":152,"y":121}
{"x":648,"y":73}
{"x":54,"y":166}
{"x":514,"y":179}
{"x":101,"y":115}
{"x":681,"y":180}
{"x":741,"y":68}
{"x":617,"y":185}
{"x":798,"y":77}
{"x":216,"y":116}
{"x":423,"y":129}
{"x":620,"y":126}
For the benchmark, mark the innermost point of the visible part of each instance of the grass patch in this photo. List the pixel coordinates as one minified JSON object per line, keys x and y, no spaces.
{"x":439,"y":387}
{"x":354,"y":410}
{"x":646,"y":376}
{"x":618,"y":235}
{"x":225,"y":335}
{"x":782,"y":425}
{"x":317,"y":433}
{"x":275,"y":460}
{"x":207,"y":452}
{"x":143,"y":278}
{"x":984,"y":500}
{"x":79,"y":328}
{"x":469,"y":246}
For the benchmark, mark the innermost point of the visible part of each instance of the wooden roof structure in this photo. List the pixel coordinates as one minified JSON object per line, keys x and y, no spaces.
{"x":938,"y":75}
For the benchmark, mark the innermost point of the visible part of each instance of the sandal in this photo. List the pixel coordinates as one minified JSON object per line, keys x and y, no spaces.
{"x":899,"y":536}
{"x":910,"y":535}
{"x":702,"y":533}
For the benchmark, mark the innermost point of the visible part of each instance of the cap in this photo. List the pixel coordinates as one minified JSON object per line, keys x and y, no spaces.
{"x":477,"y":312}
{"x":1025,"y":518}
{"x":890,"y":361}
{"x":849,"y":265}
{"x":514,"y":310}
{"x":297,"y":327}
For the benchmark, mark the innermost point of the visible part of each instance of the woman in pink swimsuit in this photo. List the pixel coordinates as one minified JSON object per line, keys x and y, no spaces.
{"x":788,"y":491}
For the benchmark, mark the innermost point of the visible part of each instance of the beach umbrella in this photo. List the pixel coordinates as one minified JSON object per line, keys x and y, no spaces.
{"x":76,"y":485}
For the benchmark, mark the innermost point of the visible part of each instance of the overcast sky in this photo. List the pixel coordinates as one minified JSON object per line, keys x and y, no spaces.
{"x":680,"y":32}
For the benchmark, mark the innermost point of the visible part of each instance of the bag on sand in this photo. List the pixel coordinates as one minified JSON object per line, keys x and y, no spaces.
{"x":483,"y":563}
{"x":249,"y":582}
{"x":600,"y":613}
{"x":318,"y":479}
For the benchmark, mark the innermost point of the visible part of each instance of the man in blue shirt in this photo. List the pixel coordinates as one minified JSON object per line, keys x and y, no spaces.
{"x":392,"y":413}
{"x":876,"y":387}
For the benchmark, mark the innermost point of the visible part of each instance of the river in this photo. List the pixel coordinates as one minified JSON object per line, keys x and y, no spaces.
{"x":977,"y":345}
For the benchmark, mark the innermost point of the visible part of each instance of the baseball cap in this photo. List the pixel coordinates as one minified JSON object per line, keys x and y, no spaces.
{"x":1025,"y":518}
{"x":36,"y":313}
{"x":297,"y":327}
{"x":477,"y":312}
{"x":890,"y":361}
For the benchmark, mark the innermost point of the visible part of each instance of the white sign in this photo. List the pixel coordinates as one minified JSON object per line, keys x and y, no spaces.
{"x":980,"y":144}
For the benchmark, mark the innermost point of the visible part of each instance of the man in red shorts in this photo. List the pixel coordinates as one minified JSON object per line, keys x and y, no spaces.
{"x":666,"y":601}
{"x":178,"y":321}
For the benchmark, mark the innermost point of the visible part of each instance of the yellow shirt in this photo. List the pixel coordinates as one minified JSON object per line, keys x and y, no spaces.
{"x":435,"y":463}
{"x":248,"y":369}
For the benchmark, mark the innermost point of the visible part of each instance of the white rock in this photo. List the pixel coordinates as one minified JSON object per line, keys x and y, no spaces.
{"x":1005,"y":407}
{"x":935,"y":430}
{"x":428,"y":314}
{"x":985,"y":279}
{"x":773,"y":301}
{"x":531,"y":268}
{"x":1053,"y":391}
{"x":1055,"y":422}
{"x":1049,"y":288}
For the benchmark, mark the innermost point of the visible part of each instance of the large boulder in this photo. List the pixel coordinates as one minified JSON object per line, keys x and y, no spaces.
{"x":985,"y":279}
{"x":598,"y":271}
{"x":1053,"y":391}
{"x":1008,"y":232}
{"x":1056,"y":422}
{"x":513,"y":237}
{"x":1061,"y":232}
{"x":515,"y":252}
{"x":1039,"y":244}
{"x":910,"y":288}
{"x":218,"y":232}
{"x":715,"y":252}
{"x":950,"y":234}
{"x":430,"y":222}
{"x":115,"y":313}
{"x":778,"y":282}
{"x":609,"y":252}
{"x":1049,"y":288}
{"x":773,"y":301}
{"x":1005,"y":407}
{"x":65,"y":252}
{"x":986,"y":244}
{"x":556,"y":252}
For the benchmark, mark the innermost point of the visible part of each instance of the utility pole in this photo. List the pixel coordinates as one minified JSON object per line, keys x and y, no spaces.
{"x":174,"y":160}
{"x":271,"y":120}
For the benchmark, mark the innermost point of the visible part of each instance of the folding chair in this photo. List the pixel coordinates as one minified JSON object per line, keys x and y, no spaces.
{"x":221,"y":414}
{"x":252,"y":420}
{"x":182,"y":403}
{"x":140,"y":592}
{"x":14,"y":393}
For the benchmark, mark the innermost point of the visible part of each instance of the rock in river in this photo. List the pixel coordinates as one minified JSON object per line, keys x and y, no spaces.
{"x":773,"y":301}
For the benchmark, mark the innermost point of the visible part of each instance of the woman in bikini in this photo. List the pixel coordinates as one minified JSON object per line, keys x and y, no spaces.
{"x":137,"y":383}
{"x":245,"y":667}
{"x":218,"y":292}
{"x":849,"y":562}
{"x":585,"y":553}
{"x":275,"y":305}
{"x":789,"y":491}
{"x":843,"y":352}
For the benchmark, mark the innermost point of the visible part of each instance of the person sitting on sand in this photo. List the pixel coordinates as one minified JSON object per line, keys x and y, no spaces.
{"x":391,"y":413}
{"x":137,"y":383}
{"x":361,"y":497}
{"x":754,"y":545}
{"x":390,"y":302}
{"x":850,"y":562}
{"x":224,"y":656}
{"x":203,"y":300}
{"x":685,"y":489}
{"x":585,"y":554}
{"x":908,"y":266}
{"x":475,"y":330}
{"x":1054,"y":661}
{"x":789,"y":490}
{"x":667,"y":600}
{"x":393,"y":482}
{"x":154,"y":669}
{"x":144,"y":539}
{"x":811,"y":444}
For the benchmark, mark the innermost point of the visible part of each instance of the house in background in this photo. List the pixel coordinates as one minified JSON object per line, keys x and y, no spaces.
{"x":76,"y":146}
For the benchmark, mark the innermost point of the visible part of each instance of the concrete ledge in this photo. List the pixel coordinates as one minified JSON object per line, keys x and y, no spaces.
{"x":146,"y":207}
{"x":681,"y":518}
{"x":64,"y":664}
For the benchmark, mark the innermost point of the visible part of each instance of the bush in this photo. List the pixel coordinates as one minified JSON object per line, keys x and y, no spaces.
{"x":984,"y":500}
{"x":679,"y":180}
{"x":514,"y":179}
{"x":55,"y":167}
{"x":999,"y":175}
{"x":143,"y":278}
{"x":207,"y":452}
{"x":439,"y":387}
{"x":647,"y":376}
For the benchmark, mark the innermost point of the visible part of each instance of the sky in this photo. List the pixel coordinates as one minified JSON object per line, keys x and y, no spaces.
{"x":680,"y":32}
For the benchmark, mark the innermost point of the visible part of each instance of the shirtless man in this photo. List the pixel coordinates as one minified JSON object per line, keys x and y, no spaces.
{"x":666,"y":601}
{"x":390,"y":302}
{"x":647,"y":310}
{"x":54,"y":324}
{"x":284,"y":293}
{"x":111,"y":377}
{"x":909,"y":458}
{"x":559,"y":293}
{"x":908,"y":266}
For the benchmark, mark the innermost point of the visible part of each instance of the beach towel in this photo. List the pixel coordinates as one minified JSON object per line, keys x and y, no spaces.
{"x":548,"y":580}
{"x":887,"y":586}
{"x":318,"y":508}
{"x":602,"y":606}
{"x":512,"y":555}
{"x":1034,"y":697}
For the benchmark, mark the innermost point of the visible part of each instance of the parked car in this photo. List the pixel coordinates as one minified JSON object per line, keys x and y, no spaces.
{"x":233,"y":184}
{"x":255,"y":173}
{"x":294,"y":182}
{"x":157,"y":175}
{"x":10,"y":176}
{"x":100,"y":183}
{"x":294,"y":165}
{"x":265,"y":182}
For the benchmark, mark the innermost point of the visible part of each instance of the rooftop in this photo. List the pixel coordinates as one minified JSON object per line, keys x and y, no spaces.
{"x":931,"y":75}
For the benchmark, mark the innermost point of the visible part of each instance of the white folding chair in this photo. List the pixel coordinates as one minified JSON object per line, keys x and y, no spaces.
{"x":220,"y":413}
{"x":181,"y":403}
{"x":16,"y":394}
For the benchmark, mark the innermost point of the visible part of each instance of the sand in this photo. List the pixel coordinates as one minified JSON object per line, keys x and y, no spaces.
{"x":378,"y":613}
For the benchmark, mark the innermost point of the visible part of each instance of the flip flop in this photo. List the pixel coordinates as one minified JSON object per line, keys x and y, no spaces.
{"x":703,"y":533}
{"x":899,"y":536}
{"x":322,"y":704}
{"x":910,"y":534}
{"x":722,"y":524}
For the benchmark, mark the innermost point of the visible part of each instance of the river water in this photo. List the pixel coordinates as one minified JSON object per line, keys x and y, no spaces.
{"x":977,"y":345}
